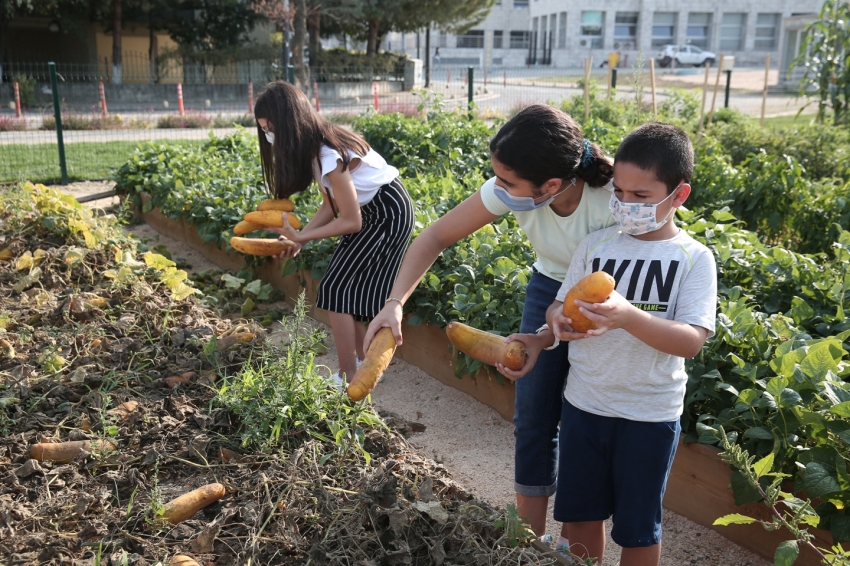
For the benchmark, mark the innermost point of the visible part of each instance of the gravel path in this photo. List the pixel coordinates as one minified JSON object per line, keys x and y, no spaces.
{"x":471,"y":439}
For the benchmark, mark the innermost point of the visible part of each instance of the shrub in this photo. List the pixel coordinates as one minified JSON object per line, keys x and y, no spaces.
{"x":12,"y":124}
{"x":190,"y":120}
{"x":26,"y":89}
{"x":244,"y":120}
{"x":78,"y":121}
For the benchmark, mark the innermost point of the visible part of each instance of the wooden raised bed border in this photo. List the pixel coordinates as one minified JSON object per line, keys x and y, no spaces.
{"x":698,"y":487}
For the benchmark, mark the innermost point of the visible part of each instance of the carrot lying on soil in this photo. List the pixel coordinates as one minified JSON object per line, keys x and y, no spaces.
{"x":64,"y":452}
{"x":181,"y":379}
{"x":188,"y":504}
{"x":378,"y":357}
{"x":182,"y":560}
{"x":227,"y":455}
{"x":486,"y":347}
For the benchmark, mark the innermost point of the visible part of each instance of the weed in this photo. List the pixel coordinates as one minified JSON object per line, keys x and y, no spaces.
{"x":283,"y":397}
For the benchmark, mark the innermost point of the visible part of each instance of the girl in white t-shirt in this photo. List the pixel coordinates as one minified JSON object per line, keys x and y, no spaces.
{"x":554,"y":182}
{"x":363,"y":201}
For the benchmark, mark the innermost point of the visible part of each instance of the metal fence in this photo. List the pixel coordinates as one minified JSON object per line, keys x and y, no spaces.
{"x":102,"y":123}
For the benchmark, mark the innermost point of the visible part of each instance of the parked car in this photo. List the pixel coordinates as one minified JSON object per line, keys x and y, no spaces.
{"x":684,"y":55}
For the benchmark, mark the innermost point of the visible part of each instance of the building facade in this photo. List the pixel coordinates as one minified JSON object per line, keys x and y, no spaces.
{"x":561,"y":33}
{"x":503,"y":39}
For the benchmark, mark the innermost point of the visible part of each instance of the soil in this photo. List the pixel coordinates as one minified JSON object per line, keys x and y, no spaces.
{"x":100,"y":357}
{"x":466,"y":440}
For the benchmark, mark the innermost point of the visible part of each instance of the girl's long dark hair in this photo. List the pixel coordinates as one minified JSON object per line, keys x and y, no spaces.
{"x":541,"y":143}
{"x":299,"y":132}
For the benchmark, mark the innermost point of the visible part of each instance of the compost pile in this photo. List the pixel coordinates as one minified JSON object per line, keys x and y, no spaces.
{"x":101,"y":342}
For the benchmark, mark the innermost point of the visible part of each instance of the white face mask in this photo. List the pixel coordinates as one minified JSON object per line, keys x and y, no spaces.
{"x":636,"y":218}
{"x":270,"y":137}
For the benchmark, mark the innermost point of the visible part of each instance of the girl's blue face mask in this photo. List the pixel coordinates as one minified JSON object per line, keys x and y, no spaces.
{"x":525,"y":204}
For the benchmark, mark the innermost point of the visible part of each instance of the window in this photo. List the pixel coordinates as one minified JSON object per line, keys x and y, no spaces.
{"x":552,"y":30}
{"x":520,"y":3}
{"x":699,"y":26}
{"x":663,"y":28}
{"x":562,"y":30}
{"x":444,"y":39}
{"x":543,"y":39}
{"x":732,"y":32}
{"x":625,"y":27}
{"x":591,"y":29}
{"x":498,"y":39}
{"x":520,"y":39}
{"x":767,"y":28}
{"x":472,"y":39}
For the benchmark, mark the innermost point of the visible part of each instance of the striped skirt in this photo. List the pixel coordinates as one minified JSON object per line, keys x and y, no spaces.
{"x":365,"y":264}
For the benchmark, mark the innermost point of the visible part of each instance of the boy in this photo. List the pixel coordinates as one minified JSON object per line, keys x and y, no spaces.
{"x":626,"y":386}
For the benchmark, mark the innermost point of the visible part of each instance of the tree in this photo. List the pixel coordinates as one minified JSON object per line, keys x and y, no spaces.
{"x":371,"y":20}
{"x":826,"y":55}
{"x":205,"y":29}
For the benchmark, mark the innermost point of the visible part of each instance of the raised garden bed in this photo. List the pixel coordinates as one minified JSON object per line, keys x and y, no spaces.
{"x":425,"y":346}
{"x":698,"y":487}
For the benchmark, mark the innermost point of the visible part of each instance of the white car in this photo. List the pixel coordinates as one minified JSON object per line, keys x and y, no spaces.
{"x":684,"y":55}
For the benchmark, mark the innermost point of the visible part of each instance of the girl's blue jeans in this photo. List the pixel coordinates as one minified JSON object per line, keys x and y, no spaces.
{"x":539,"y":395}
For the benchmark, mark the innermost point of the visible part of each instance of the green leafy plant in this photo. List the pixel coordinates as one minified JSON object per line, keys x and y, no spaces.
{"x":791,"y":513}
{"x":826,"y":43}
{"x":285,"y":397}
{"x":517,"y":531}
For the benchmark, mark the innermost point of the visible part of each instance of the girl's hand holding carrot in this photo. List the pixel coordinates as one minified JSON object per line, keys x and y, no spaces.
{"x":287,"y":232}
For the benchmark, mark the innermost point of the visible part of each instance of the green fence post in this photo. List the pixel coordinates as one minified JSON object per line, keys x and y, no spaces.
{"x":290,"y":74}
{"x":614,"y":78}
{"x":470,"y":71}
{"x":728,"y":81}
{"x":57,"y":113}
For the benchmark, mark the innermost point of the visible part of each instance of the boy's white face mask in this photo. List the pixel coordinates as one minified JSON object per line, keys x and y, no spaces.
{"x":270,"y":137}
{"x":636,"y":218}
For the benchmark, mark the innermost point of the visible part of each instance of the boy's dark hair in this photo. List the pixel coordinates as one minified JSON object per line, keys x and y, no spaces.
{"x":662,"y":149}
{"x":299,"y":133}
{"x":541,"y":143}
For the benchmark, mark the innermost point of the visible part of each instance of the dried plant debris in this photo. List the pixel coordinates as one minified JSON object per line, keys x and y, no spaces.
{"x":96,"y":438}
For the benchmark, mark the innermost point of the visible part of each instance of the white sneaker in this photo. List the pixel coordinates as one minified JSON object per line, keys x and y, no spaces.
{"x":358,"y":361}
{"x":336,"y":380}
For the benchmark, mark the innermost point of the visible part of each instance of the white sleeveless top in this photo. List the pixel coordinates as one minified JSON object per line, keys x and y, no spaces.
{"x":369,"y":176}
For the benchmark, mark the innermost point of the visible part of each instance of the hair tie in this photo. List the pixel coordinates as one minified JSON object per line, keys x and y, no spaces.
{"x":587,"y":154}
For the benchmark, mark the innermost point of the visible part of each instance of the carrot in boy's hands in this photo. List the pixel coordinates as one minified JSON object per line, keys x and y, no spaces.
{"x":593,"y":288}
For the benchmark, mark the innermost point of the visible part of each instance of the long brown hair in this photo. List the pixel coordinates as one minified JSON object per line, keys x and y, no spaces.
{"x":299,"y":132}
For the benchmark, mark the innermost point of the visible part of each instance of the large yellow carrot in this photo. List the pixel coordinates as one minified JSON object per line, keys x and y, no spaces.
{"x":272,"y":218}
{"x":593,"y":288}
{"x":486,"y":347}
{"x":378,"y":358}
{"x":64,"y":452}
{"x":260,"y":246}
{"x":283,"y":204}
{"x":245,"y":227}
{"x":188,"y":504}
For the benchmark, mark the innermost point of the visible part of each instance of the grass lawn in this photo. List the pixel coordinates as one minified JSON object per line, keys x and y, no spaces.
{"x":779,"y":122}
{"x":85,"y":160}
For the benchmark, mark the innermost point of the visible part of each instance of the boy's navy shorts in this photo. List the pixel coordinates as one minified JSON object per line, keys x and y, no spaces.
{"x":614,"y":467}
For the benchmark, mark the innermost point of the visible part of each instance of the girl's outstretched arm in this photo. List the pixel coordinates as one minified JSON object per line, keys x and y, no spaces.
{"x":458,"y":223}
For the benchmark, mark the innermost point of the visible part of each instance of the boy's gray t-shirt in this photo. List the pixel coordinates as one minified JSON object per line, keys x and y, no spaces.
{"x":616,"y":374}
